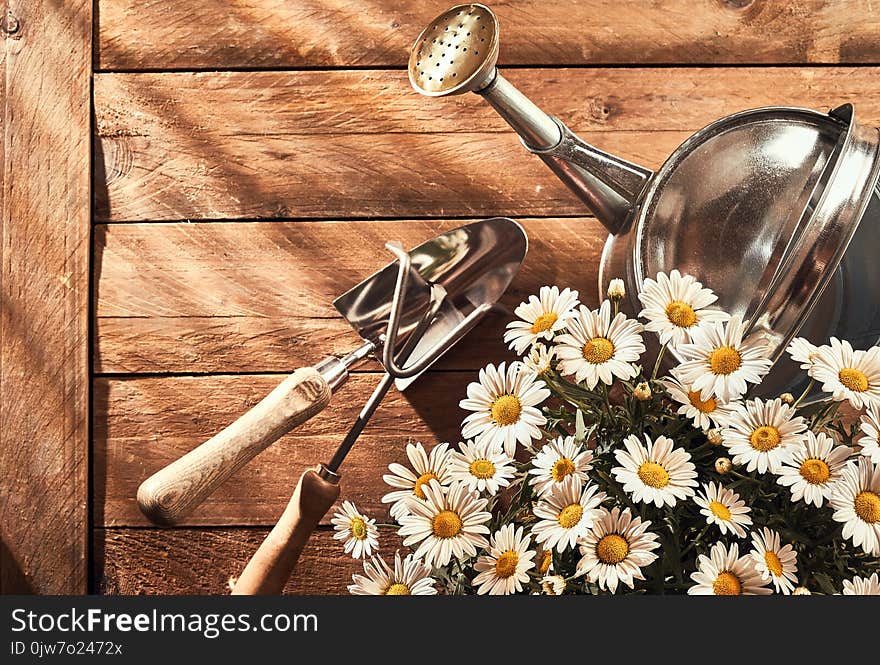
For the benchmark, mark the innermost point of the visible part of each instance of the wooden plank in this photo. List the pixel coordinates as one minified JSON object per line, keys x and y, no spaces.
{"x":44,"y":278}
{"x":218,"y":34}
{"x":256,"y":296}
{"x":206,"y":561}
{"x":142,"y":424}
{"x":361,"y":144}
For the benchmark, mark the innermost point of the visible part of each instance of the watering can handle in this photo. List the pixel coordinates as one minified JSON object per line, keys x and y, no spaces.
{"x":175,"y":491}
{"x":269,"y":569}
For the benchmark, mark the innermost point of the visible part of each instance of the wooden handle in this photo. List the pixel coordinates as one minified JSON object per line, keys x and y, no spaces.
{"x":174,"y":492}
{"x":269,"y":569}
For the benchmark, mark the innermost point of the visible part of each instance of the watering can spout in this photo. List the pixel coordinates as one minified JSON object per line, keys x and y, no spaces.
{"x":608,"y":185}
{"x":457,"y":53}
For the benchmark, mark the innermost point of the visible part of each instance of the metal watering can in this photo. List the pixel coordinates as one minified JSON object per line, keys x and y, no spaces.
{"x":776,"y":209}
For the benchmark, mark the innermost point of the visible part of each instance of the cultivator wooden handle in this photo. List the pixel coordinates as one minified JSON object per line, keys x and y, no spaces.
{"x":269,"y":569}
{"x":174,"y":492}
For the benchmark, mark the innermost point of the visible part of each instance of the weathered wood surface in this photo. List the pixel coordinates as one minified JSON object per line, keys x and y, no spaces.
{"x":45,"y":126}
{"x":206,"y":561}
{"x":142,"y":424}
{"x":257,"y":296}
{"x":238,"y":145}
{"x":224,"y":34}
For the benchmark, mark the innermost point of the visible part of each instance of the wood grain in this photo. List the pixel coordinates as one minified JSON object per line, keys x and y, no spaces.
{"x":229,"y":34}
{"x":142,"y":424}
{"x":256,"y":296}
{"x":44,"y":276}
{"x":208,"y":561}
{"x":344,"y":144}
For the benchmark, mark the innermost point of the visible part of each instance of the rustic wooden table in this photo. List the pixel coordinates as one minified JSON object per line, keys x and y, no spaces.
{"x":250,"y":158}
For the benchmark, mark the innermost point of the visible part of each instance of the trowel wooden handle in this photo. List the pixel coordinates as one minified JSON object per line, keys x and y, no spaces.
{"x":174,"y":492}
{"x":269,"y":569}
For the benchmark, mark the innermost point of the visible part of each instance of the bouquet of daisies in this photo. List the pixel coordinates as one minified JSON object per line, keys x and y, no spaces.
{"x":581,"y":472}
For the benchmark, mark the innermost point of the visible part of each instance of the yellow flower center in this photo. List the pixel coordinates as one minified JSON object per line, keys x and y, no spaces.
{"x":774,"y":565}
{"x":563,"y":467}
{"x":867,"y":506}
{"x":570,"y":515}
{"x":681,"y":314}
{"x":358,"y":528}
{"x":446,"y":524}
{"x":424,"y":479}
{"x":544,"y":322}
{"x":703,"y":407}
{"x":505,"y":565}
{"x":725,"y":360}
{"x":815,"y":471}
{"x":482,"y":469}
{"x":598,"y":350}
{"x":397,"y":590}
{"x":653,"y":475}
{"x":506,"y":409}
{"x":727,"y":584}
{"x":720,"y":511}
{"x":546,"y":560}
{"x":765,"y":438}
{"x":853,"y":379}
{"x":612,"y":549}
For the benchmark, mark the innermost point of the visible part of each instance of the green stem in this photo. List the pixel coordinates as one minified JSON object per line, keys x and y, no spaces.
{"x":657,"y":362}
{"x":804,"y":394}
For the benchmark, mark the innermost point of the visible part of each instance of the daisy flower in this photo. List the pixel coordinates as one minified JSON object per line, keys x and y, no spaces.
{"x":725,"y":573}
{"x":720,"y":363}
{"x":505,"y":568}
{"x":540,"y":360}
{"x":566,"y":513}
{"x":814,"y":468}
{"x":655,"y":472}
{"x":675,"y":305}
{"x":598,"y":348}
{"x":504,"y":404}
{"x":856,"y":502}
{"x":541,"y":317}
{"x":704,"y":413}
{"x":803,"y":352}
{"x":870,"y":443}
{"x":427,"y":467}
{"x":449,"y":522}
{"x":481,"y":466}
{"x":862,"y":586}
{"x":410,"y":577}
{"x":616,"y":549}
{"x":723,"y":507}
{"x":764,"y":435}
{"x":847,"y":374}
{"x":774,"y":561}
{"x":357,"y":530}
{"x":557,"y":460}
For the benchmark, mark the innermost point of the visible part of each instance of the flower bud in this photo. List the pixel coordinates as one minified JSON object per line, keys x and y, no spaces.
{"x":642,"y":392}
{"x":787,"y":398}
{"x":801,"y":591}
{"x":553,"y":585}
{"x":616,"y":290}
{"x":714,"y":436}
{"x":723,"y":465}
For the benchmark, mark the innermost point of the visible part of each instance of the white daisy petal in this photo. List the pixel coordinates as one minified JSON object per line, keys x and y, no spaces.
{"x":855,"y":499}
{"x":541,"y":317}
{"x":764,"y":435}
{"x":656,"y":472}
{"x":410,"y":577}
{"x":566,"y":513}
{"x":557,"y":460}
{"x":427,"y":467}
{"x":862,"y":586}
{"x":505,"y":569}
{"x":508,"y":414}
{"x":596,"y":347}
{"x":481,"y":466}
{"x":725,"y":573}
{"x":773,"y":561}
{"x":814,"y":468}
{"x":615,"y":549}
{"x":848,"y":374}
{"x":676,"y":305}
{"x":724,"y":508}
